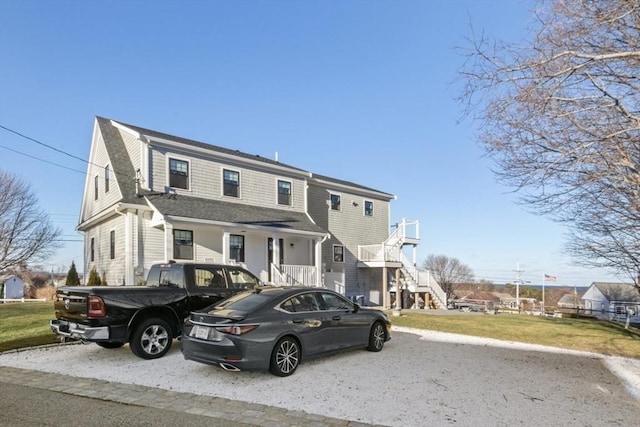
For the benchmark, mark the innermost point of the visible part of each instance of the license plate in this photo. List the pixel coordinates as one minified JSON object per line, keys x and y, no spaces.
{"x":201,"y":332}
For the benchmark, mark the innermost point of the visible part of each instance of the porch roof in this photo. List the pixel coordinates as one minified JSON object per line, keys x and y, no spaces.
{"x":236,"y":213}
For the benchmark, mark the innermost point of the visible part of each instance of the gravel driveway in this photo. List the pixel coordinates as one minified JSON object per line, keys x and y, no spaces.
{"x":421,"y":377}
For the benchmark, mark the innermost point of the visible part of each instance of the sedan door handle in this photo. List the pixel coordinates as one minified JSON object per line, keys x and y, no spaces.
{"x":337,"y":317}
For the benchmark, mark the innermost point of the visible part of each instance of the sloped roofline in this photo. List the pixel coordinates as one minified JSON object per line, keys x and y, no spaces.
{"x":172,"y":140}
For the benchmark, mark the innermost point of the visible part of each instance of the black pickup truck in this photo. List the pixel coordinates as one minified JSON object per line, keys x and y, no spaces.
{"x":147,"y":317}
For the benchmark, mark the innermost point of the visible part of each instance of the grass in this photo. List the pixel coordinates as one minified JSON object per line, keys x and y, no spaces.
{"x":27,"y":324}
{"x":592,"y":335}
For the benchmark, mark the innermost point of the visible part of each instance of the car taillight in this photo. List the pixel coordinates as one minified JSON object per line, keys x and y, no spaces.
{"x":96,"y":307}
{"x":236,"y":329}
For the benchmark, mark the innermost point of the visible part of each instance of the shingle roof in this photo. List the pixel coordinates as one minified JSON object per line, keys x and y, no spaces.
{"x":350,"y":184}
{"x":186,"y":141}
{"x":215,"y":210}
{"x":619,"y":291}
{"x":120,"y":161}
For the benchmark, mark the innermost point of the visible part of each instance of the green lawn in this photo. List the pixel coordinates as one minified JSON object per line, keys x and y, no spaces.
{"x":27,"y":324}
{"x":577,"y":334}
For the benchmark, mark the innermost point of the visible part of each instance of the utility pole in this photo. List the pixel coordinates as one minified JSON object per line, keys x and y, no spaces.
{"x":518,"y":271}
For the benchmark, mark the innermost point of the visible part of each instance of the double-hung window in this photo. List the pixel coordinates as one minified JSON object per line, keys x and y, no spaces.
{"x":95,"y":187}
{"x":231,"y":183}
{"x":93,"y":249}
{"x":368,"y":208}
{"x":112,"y":244}
{"x":183,"y":244}
{"x":106,"y":179}
{"x":236,"y":247}
{"x":335,"y":202}
{"x":284,"y":192}
{"x":179,"y":174}
{"x":338,"y":253}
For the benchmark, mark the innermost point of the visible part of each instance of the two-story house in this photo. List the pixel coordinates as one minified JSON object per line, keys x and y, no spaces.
{"x":151,"y":197}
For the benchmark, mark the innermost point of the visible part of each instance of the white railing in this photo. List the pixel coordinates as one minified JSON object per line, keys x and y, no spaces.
{"x":403,"y":230}
{"x":23,"y":299}
{"x":381,"y":252}
{"x":294,"y":275}
{"x":423,"y":278}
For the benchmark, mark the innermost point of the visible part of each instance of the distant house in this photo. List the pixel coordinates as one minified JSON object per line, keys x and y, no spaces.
{"x":570,"y":301}
{"x":12,"y":287}
{"x":613,"y":301}
{"x":153,"y":197}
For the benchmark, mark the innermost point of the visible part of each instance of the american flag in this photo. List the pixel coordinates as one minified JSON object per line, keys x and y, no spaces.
{"x":549,"y":278}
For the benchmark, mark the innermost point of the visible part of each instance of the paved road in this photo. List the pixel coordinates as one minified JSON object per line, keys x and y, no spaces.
{"x":414,"y":381}
{"x":24,"y":406}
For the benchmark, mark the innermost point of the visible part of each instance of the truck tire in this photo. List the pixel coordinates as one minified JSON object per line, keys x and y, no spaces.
{"x":151,"y":339}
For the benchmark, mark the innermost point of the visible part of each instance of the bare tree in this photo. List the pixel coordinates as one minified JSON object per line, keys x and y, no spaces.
{"x":448,"y":272}
{"x":25,"y":231}
{"x":560,"y":118}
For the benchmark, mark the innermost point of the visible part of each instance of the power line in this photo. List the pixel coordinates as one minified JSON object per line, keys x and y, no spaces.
{"x":51,"y":148}
{"x":43,"y":144}
{"x":42,"y":160}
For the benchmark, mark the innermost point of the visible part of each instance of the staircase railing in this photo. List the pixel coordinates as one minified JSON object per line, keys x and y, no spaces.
{"x":423,"y":278}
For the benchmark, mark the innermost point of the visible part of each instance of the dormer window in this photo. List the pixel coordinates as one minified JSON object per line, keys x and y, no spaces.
{"x":284,"y":192}
{"x":179,"y":174}
{"x":231,"y":183}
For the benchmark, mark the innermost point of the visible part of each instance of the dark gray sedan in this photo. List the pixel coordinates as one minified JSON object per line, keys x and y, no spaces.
{"x":277,"y":328}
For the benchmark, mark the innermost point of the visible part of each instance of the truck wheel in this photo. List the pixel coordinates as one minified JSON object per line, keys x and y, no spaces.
{"x":110,"y":344}
{"x":151,"y":339}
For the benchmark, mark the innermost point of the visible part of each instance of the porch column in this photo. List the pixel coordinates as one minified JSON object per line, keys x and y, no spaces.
{"x":128,"y":249}
{"x":318,"y":262}
{"x":385,"y":290}
{"x":225,"y":246}
{"x":398,"y":290}
{"x":275,"y":256}
{"x":168,"y":241}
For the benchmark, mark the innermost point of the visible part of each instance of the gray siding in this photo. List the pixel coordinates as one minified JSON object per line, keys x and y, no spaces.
{"x":112,"y":269}
{"x":349,"y":227}
{"x":258,"y":187}
{"x":99,"y":159}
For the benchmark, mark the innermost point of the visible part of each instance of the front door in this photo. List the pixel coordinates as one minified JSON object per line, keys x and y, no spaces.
{"x":270,"y":254}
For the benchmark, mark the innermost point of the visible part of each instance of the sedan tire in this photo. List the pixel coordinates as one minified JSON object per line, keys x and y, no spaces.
{"x":377,"y":337}
{"x":151,"y":339}
{"x":285,"y":357}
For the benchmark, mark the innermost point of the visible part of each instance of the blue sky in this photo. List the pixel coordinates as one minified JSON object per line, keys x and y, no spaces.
{"x":357,"y":90}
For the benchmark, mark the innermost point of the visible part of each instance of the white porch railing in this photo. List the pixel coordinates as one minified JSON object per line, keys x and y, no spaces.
{"x":294,"y":275}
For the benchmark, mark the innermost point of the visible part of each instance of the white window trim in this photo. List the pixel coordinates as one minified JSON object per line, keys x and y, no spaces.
{"x":239,"y":183}
{"x":107,"y":177}
{"x":364,"y":208}
{"x":331,"y":193}
{"x":115,"y":249}
{"x":333,"y":254}
{"x":193,"y":244}
{"x":168,"y":172}
{"x":278,"y":193}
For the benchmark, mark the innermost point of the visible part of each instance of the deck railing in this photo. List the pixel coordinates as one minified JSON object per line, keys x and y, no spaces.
{"x":294,"y":275}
